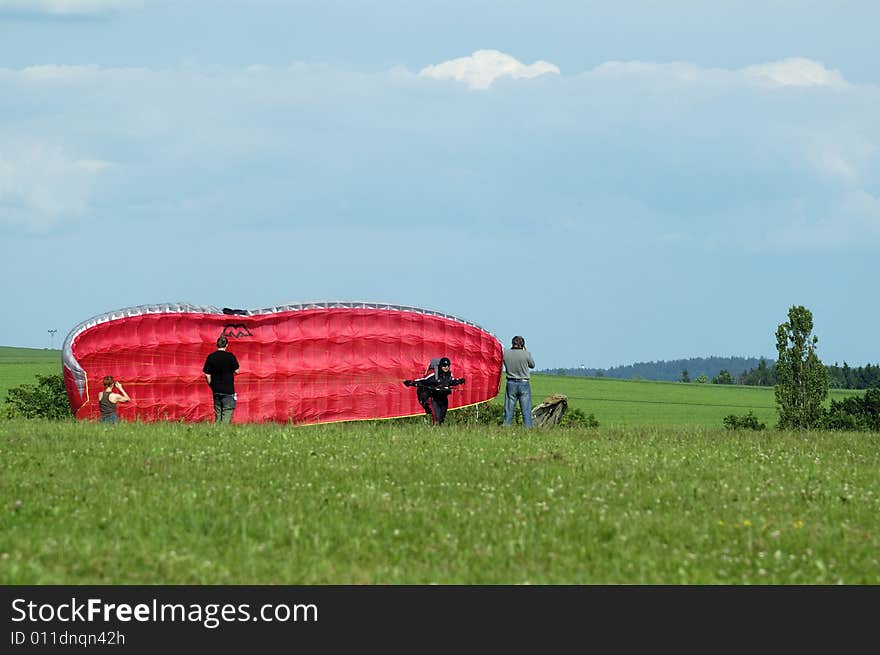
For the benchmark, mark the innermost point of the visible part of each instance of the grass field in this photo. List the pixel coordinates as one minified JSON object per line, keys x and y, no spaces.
{"x":85,"y":503}
{"x":658,"y":494}
{"x":20,"y":365}
{"x":622,"y":403}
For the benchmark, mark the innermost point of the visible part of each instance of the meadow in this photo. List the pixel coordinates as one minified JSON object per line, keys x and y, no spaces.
{"x":659,"y":493}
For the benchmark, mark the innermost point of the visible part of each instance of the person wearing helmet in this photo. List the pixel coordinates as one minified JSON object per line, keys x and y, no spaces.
{"x":434,"y":389}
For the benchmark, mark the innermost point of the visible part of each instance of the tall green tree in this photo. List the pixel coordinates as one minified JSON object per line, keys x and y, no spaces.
{"x":802,"y":382}
{"x":723,"y":377}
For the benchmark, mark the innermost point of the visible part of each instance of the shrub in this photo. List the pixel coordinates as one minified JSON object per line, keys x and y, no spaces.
{"x":855,"y":413}
{"x":487,"y":413}
{"x":45,"y":399}
{"x":840,"y":419}
{"x":746,"y":422}
{"x":490,"y":413}
{"x":578,"y":418}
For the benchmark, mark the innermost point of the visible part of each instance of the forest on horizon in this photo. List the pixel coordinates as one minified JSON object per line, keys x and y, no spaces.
{"x":754,"y":371}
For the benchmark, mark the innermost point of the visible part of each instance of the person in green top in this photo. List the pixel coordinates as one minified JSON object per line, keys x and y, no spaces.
{"x":517,"y":362}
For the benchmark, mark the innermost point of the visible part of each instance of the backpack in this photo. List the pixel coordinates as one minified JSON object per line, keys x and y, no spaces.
{"x":423,"y":393}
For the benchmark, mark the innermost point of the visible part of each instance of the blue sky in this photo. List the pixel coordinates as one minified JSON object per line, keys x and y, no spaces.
{"x":615,"y":181}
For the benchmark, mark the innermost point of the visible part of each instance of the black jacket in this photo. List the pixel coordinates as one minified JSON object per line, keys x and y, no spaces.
{"x":436,"y":384}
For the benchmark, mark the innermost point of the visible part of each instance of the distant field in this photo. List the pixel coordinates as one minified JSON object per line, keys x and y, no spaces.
{"x":20,"y":365}
{"x":621,"y":403}
{"x":615,"y":403}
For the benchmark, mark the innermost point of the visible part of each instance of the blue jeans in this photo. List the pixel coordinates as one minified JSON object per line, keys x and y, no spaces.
{"x":518,"y":390}
{"x":109,"y":419}
{"x":224,"y":406}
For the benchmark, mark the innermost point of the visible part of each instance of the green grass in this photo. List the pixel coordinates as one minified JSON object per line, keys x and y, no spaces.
{"x":660,"y":493}
{"x":84,"y":503}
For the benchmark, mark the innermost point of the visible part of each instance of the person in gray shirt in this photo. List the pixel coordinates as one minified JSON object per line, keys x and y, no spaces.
{"x":517,"y":362}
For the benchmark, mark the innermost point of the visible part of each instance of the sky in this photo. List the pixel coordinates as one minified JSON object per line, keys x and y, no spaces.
{"x":617,"y":182}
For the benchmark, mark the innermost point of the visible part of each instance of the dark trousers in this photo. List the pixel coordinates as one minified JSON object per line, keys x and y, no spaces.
{"x":224,"y":406}
{"x":439,"y":405}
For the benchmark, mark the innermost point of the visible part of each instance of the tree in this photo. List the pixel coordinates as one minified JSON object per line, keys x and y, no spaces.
{"x":762,"y":376}
{"x":723,"y":377}
{"x":802,"y":378}
{"x":684,"y":376}
{"x":702,"y":379}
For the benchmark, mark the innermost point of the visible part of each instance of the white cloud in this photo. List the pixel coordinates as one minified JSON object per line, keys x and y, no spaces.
{"x":56,"y":73}
{"x":840,"y":157}
{"x":66,"y":7}
{"x":795,"y":71}
{"x":835,"y":164}
{"x":41,"y":185}
{"x":484,"y":67}
{"x":791,"y":72}
{"x":213,"y":138}
{"x":853,"y":223}
{"x":679,"y":70}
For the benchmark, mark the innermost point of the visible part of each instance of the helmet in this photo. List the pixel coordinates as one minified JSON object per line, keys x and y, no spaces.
{"x":444,"y":361}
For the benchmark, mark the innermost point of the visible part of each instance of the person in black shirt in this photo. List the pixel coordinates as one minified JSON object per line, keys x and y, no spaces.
{"x":435,"y":388}
{"x":220,"y":370}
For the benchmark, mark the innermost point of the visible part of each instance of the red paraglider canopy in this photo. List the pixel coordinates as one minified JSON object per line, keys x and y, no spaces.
{"x":304,"y":363}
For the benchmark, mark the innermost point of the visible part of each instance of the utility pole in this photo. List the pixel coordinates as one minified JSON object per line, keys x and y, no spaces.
{"x":52,"y":338}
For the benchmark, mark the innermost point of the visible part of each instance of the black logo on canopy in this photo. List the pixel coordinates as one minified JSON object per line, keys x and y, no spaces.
{"x":236,"y":330}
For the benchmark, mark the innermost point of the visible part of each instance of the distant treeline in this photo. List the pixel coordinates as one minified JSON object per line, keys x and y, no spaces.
{"x":752,"y":371}
{"x":861,"y":377}
{"x":839,"y":377}
{"x":669,"y":371}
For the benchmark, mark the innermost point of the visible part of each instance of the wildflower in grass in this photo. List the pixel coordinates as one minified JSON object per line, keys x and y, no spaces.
{"x":747,"y":523}
{"x":798,"y":524}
